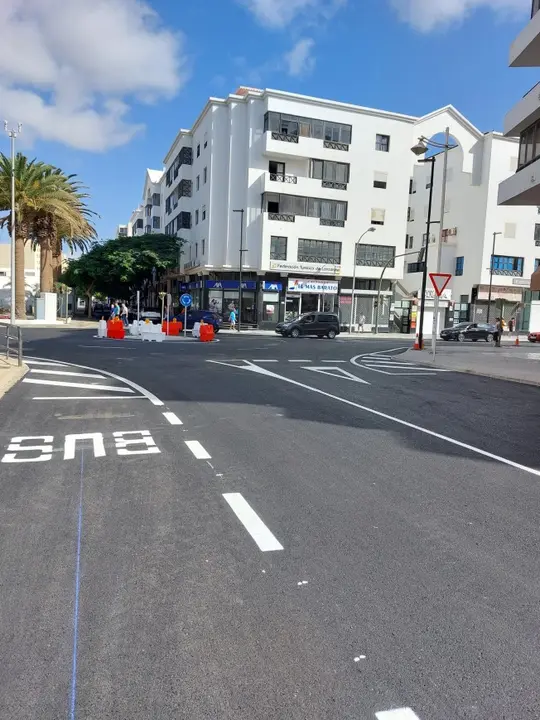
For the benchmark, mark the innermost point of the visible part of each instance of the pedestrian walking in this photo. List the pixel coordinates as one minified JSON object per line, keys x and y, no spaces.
{"x":499,"y":331}
{"x":361,"y":322}
{"x":511,"y":324}
{"x":124,"y":314}
{"x":232,"y":319}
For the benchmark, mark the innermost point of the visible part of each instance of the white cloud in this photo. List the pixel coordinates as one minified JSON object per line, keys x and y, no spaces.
{"x":426,"y":15}
{"x":70,"y":68}
{"x":299,"y":60}
{"x":280,"y":13}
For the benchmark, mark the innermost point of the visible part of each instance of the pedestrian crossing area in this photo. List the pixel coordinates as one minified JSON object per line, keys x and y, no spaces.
{"x":58,"y":381}
{"x":390,"y":363}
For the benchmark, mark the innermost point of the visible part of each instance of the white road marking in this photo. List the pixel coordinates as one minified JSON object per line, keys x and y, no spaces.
{"x":264,"y":361}
{"x":85,"y":386}
{"x":198,"y":450}
{"x":145,"y":439}
{"x":334,"y":361}
{"x":147,"y":394}
{"x":89,"y":397}
{"x":300,"y":361}
{"x":399,"y":714}
{"x":336,"y":372}
{"x":70,"y":443}
{"x":172,"y":418}
{"x":385,"y":416}
{"x":264,"y":538}
{"x":41,"y":362}
{"x":64,"y":372}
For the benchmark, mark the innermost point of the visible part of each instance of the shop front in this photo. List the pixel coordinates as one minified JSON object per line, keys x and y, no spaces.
{"x":308,"y":295}
{"x":221,"y":296}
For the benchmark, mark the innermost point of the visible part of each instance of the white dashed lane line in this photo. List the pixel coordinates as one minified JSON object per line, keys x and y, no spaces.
{"x":65,"y":372}
{"x":198,"y":450}
{"x":172,"y":418}
{"x":264,"y":538}
{"x":399,"y":714}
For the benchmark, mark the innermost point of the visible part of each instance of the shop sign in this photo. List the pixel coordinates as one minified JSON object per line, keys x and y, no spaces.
{"x":272,"y":286}
{"x":230,"y":285}
{"x":430,"y":294}
{"x":522,"y":282}
{"x":329,"y":287}
{"x":306,"y":267}
{"x":500,"y":292}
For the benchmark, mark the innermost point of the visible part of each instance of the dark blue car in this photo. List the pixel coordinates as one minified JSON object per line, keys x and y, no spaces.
{"x":194,"y":316}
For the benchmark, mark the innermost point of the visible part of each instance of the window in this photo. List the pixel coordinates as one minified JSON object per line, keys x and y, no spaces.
{"x":183,"y":220}
{"x":196,"y":249}
{"x":375,"y":255}
{"x":205,"y":175}
{"x":505,"y":265}
{"x":203,"y":243}
{"x":319,"y":251}
{"x":537,"y":234}
{"x":307,"y":127}
{"x":459,"y":265}
{"x":156,"y":199}
{"x":529,"y":145}
{"x":148,"y":210}
{"x":510,"y":230}
{"x":377,"y":216}
{"x":196,"y":217}
{"x":412,"y":186}
{"x":535,"y":7}
{"x":410,"y":214}
{"x":197,"y":182}
{"x":203,"y":213}
{"x":147,"y":229}
{"x":278,"y":247}
{"x":326,"y":210}
{"x":199,"y":150}
{"x":330,"y":171}
{"x":168,"y":205}
{"x":156,"y":222}
{"x":382,"y":143}
{"x":205,"y":146}
{"x":276,"y":168}
{"x":29,"y":273}
{"x":3,"y":273}
{"x":409,"y":242}
{"x":380,"y":180}
{"x":415,"y":267}
{"x":140,"y":224}
{"x":536,"y":264}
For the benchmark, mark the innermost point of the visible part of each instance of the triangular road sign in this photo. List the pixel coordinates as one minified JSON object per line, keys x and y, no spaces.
{"x":336,"y":372}
{"x":439,"y":281}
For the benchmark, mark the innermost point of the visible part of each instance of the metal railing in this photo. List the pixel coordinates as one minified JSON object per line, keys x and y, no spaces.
{"x":11,"y":342}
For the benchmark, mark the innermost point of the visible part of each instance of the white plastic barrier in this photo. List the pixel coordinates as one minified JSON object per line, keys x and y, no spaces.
{"x":151,"y":332}
{"x":196,"y":332}
{"x":102,"y":329}
{"x":135,"y":328}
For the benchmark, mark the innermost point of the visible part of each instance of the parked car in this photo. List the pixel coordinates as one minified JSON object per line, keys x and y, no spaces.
{"x":469,"y":331}
{"x":316,"y":323}
{"x":194,"y":316}
{"x":533,"y":337}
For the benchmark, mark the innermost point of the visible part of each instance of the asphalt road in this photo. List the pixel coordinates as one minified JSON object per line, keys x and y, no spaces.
{"x":329,"y":533}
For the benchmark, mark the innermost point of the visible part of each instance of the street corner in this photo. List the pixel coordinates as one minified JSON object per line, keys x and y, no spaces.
{"x":10,"y":374}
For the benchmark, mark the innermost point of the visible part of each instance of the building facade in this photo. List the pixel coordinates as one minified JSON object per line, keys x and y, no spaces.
{"x":147,"y":218}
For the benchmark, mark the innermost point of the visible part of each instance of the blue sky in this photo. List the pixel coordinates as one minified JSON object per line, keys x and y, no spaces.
{"x":103,"y":87}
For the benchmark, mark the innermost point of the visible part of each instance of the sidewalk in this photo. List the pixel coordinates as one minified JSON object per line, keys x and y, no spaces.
{"x":406,"y":339}
{"x":517,"y":364}
{"x":10,"y":374}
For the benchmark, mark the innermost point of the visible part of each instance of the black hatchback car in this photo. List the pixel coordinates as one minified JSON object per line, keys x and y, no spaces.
{"x":469,"y":331}
{"x":316,"y":323}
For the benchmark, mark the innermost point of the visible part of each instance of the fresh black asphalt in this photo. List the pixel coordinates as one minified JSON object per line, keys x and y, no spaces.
{"x":417,"y":559}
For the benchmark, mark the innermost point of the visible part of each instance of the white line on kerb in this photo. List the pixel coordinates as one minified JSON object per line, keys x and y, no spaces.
{"x":252,"y":522}
{"x":172,"y":418}
{"x":41,"y":362}
{"x":198,"y":450}
{"x":398,"y":714}
{"x":85,"y":386}
{"x":378,"y":413}
{"x":147,"y":394}
{"x":64,"y":372}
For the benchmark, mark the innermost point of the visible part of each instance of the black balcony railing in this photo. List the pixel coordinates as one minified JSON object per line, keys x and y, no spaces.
{"x":334,"y":185}
{"x":280,"y":177}
{"x":284,"y":137}
{"x":283,"y":217}
{"x":332,"y":223}
{"x":508,"y":273}
{"x":331,"y":145}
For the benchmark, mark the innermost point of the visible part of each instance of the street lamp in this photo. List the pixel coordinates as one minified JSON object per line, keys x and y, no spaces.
{"x":425,"y":270}
{"x":12,"y":136}
{"x":353,"y":315}
{"x":242,"y":251}
{"x":491,"y":274}
{"x":419,"y":149}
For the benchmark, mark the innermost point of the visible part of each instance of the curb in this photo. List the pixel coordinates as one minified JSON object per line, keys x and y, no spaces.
{"x":17,"y":373}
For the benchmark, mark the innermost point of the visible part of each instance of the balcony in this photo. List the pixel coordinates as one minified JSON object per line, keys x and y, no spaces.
{"x":281,"y":217}
{"x":288,"y":179}
{"x":280,"y":145}
{"x":331,"y":145}
{"x":525,"y":50}
{"x":333,"y":185}
{"x":284,"y":137}
{"x":301,"y":185}
{"x":523,"y":188}
{"x":332,"y":223}
{"x":524,"y":113}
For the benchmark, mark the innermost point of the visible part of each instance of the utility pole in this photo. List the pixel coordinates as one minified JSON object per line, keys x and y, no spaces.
{"x":242,"y":251}
{"x":434,"y":327}
{"x":491,"y":275}
{"x":12,"y":136}
{"x":425,"y":270}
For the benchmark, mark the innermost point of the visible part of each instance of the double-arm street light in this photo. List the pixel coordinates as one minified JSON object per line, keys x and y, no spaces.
{"x":242,"y":251}
{"x":353,"y":304}
{"x":421,"y":148}
{"x":12,"y":136}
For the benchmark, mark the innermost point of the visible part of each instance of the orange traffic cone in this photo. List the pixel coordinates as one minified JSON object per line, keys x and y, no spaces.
{"x":517,"y":341}
{"x":417,"y":343}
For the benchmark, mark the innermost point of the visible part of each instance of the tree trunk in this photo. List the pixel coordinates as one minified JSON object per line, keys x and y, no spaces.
{"x":20,"y":288}
{"x":89,"y":296}
{"x":45,"y":236}
{"x":57,"y":260}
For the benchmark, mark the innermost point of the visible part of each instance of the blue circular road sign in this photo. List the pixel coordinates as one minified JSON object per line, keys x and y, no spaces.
{"x":185,"y":300}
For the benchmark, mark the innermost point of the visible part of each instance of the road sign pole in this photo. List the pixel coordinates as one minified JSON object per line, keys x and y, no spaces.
{"x":439,"y":281}
{"x":185,"y":321}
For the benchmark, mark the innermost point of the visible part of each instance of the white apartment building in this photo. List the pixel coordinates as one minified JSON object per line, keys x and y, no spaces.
{"x":477,"y":164}
{"x":148,"y":217}
{"x":122,"y":231}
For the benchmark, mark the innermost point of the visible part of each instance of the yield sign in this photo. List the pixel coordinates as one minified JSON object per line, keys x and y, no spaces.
{"x":439,"y":281}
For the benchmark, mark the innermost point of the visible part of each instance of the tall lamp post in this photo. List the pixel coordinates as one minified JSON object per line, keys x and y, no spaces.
{"x":242,"y":251}
{"x":12,"y":136}
{"x":353,"y":304}
{"x":491,"y":274}
{"x":421,"y":148}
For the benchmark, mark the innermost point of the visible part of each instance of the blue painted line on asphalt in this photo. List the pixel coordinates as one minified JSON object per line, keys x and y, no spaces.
{"x":73,"y":694}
